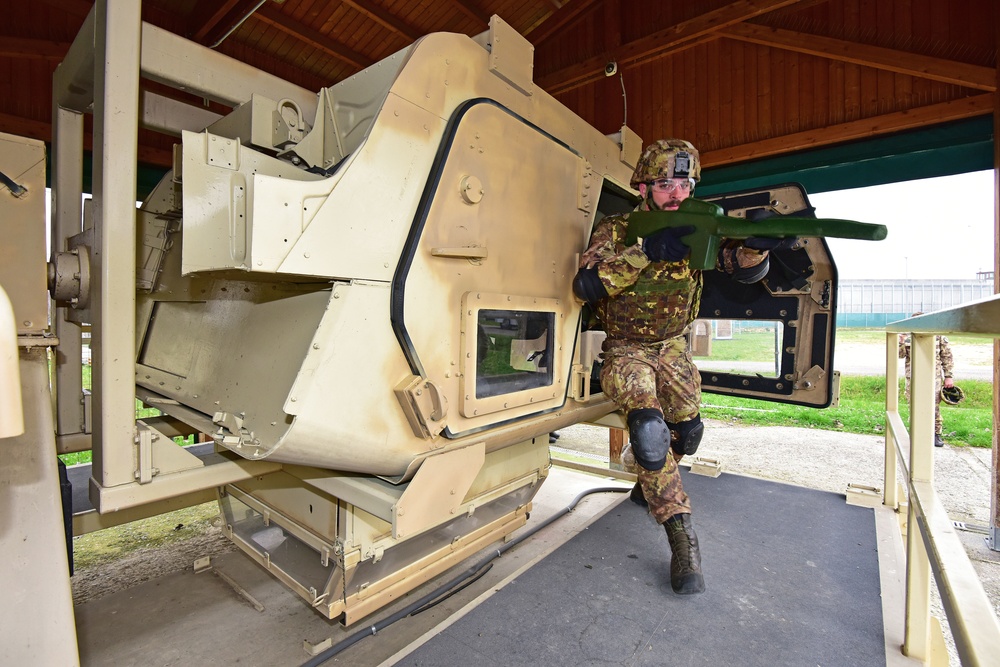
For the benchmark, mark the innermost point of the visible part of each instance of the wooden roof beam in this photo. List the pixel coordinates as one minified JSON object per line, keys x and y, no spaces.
{"x":901,"y":62}
{"x":207,"y":20}
{"x":865,"y":128}
{"x":314,"y":38}
{"x":33,"y":49}
{"x":664,"y":42}
{"x":469,"y":8}
{"x":72,"y":7}
{"x":385,"y":19}
{"x":42,"y":131}
{"x":565,"y":16}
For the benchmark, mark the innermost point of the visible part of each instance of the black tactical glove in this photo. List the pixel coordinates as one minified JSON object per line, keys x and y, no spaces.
{"x":761,"y":243}
{"x":666,"y":245}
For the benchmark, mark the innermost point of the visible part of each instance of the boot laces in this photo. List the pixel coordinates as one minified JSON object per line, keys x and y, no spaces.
{"x":682,"y":549}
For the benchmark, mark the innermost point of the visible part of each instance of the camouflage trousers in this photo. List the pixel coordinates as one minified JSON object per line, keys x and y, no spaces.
{"x":938,"y":385}
{"x":662,"y":488}
{"x":661,"y":376}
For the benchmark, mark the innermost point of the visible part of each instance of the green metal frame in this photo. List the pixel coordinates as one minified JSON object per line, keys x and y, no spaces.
{"x":940,"y":150}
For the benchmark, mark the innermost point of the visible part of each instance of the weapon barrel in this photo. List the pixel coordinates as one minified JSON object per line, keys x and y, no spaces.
{"x":712,"y":225}
{"x":783,"y":228}
{"x":715,"y":223}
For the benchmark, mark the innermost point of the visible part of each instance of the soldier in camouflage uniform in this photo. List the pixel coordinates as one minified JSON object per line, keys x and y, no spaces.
{"x":944,"y":366}
{"x":646,"y":296}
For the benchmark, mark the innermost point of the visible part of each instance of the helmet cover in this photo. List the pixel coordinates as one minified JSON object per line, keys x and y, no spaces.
{"x":667,"y":158}
{"x":952,"y":395}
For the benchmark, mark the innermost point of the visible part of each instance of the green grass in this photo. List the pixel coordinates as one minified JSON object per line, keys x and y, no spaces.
{"x":746,"y":345}
{"x":107,"y":545}
{"x":862,"y":410}
{"x":497,"y":360}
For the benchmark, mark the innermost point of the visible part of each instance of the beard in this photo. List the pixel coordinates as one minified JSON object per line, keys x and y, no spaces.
{"x":669,"y":205}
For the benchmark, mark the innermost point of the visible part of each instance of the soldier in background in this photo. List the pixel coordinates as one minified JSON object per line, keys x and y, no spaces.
{"x":944,"y":365}
{"x":646,"y":295}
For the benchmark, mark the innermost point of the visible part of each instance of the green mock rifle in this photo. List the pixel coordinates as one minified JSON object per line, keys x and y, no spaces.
{"x":712,"y":225}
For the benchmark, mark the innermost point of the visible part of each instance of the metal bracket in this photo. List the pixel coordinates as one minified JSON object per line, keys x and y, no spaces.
{"x":157,"y":230}
{"x":144,"y":470}
{"x":231,"y":433}
{"x":707,"y":467}
{"x":579,"y":386}
{"x":811,"y":378}
{"x":424,"y":404}
{"x":69,"y":277}
{"x":223,"y":152}
{"x":863,"y":495}
{"x":511,"y":56}
{"x":157,"y":454}
{"x":587,"y":194}
{"x":429,"y":500}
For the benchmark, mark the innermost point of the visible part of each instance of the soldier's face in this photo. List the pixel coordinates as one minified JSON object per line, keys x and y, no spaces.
{"x":662,"y":200}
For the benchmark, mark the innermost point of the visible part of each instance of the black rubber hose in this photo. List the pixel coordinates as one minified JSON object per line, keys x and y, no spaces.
{"x":440,"y":592}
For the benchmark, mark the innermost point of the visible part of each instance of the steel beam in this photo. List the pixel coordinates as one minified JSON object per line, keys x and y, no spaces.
{"x":116,"y":125}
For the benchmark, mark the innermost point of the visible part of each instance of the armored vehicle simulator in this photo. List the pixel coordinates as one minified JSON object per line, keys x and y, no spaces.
{"x":363,"y":298}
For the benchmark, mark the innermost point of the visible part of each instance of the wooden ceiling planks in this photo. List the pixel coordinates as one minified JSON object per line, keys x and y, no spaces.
{"x":790,"y":82}
{"x":741,"y":78}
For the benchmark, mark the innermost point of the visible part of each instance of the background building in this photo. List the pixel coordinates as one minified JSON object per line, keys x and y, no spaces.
{"x":874,"y":303}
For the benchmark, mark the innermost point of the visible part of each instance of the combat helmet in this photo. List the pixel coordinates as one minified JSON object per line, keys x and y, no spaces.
{"x":952,"y":395}
{"x":667,"y":158}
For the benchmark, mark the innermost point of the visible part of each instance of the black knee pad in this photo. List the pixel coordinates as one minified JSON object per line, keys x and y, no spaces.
{"x":688,"y":436}
{"x":649,"y":437}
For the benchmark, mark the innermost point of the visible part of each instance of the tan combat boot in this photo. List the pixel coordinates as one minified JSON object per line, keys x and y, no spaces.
{"x":685,"y":558}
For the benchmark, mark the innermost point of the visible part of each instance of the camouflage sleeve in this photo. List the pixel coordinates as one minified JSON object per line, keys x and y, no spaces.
{"x":947,"y":361}
{"x":617,"y":266}
{"x":733,"y":256}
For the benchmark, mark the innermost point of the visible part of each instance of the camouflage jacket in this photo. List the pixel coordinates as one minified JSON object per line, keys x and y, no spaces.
{"x":944,"y":362}
{"x":649,"y":301}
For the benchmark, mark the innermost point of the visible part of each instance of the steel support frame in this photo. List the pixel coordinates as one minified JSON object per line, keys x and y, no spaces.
{"x":67,"y":214}
{"x":101,"y":72}
{"x":117,"y":30}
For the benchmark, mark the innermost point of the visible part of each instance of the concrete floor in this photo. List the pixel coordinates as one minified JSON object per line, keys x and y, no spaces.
{"x":188,"y":619}
{"x":185,"y":618}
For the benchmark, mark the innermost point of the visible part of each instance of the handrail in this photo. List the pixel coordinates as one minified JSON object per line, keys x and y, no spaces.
{"x":933,"y":545}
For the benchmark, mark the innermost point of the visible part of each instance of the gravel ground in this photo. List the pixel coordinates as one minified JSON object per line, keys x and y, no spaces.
{"x":829,"y":461}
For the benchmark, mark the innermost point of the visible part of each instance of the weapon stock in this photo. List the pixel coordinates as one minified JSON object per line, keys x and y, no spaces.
{"x":712,"y":225}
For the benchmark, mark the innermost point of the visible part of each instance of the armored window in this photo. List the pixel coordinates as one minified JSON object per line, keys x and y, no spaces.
{"x":513,"y":351}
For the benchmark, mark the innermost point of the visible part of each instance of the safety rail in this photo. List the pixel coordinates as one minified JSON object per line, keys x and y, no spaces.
{"x":932,"y":545}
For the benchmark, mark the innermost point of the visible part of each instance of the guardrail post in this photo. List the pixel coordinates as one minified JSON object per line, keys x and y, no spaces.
{"x":916,"y":642}
{"x":890,"y":479}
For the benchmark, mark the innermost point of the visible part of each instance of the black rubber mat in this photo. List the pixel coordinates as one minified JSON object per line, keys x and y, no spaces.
{"x":791,"y":573}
